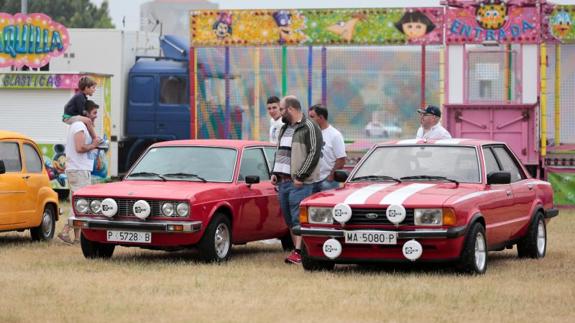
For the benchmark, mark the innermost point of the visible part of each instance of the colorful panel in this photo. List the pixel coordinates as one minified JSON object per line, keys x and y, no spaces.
{"x":400,"y":26}
{"x":558,"y":24}
{"x":39,"y":81}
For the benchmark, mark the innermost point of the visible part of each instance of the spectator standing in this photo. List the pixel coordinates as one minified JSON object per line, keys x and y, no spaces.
{"x":276,"y":123}
{"x":430,"y":127}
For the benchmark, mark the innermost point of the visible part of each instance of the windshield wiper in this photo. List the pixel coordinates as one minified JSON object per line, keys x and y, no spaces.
{"x":185,"y":175}
{"x":376,"y":177}
{"x":443,"y":178}
{"x":147,"y":174}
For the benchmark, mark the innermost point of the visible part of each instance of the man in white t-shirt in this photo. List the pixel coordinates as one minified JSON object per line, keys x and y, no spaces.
{"x":276,"y":123}
{"x":332,"y":153}
{"x":80,"y":154}
{"x":430,"y":126}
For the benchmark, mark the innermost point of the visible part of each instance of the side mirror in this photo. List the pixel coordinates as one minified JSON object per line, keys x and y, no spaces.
{"x":340,"y":176}
{"x":2,"y":167}
{"x":498,"y":178}
{"x":252,"y":179}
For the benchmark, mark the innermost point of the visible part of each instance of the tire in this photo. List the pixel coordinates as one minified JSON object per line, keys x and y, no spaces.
{"x":473,"y":258}
{"x":534,"y":243}
{"x":216,"y":244}
{"x":310,"y":264}
{"x":96,"y":250}
{"x":45,"y":231}
{"x":287,"y":242}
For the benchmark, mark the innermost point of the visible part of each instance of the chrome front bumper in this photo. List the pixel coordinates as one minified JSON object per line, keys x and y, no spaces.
{"x":414,"y":234}
{"x":155,"y":226}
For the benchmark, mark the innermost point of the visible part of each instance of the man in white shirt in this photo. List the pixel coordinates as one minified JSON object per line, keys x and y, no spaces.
{"x":430,"y":127}
{"x":276,"y":123}
{"x":332,"y":153}
{"x":80,"y":155}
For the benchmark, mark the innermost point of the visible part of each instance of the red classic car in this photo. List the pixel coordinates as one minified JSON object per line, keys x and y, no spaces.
{"x":445,"y":200}
{"x":207,"y":194}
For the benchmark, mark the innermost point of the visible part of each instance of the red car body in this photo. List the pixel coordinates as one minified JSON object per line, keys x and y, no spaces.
{"x":501,"y":214}
{"x":246,"y":209}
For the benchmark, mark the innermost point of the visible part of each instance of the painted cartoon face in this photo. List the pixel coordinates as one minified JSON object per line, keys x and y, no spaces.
{"x":221,"y":29}
{"x":345,"y":29}
{"x":561,"y":24}
{"x":414,"y":29}
{"x":59,"y":163}
{"x":492,"y":16}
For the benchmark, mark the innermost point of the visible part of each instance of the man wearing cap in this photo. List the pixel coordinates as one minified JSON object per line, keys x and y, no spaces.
{"x":430,"y":127}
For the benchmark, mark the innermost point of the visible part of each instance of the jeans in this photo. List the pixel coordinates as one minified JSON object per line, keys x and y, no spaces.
{"x":290,"y":198}
{"x":324,"y":185}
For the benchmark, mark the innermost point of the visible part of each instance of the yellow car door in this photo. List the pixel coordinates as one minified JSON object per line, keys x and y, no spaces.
{"x":13,"y":185}
{"x":35,"y":179}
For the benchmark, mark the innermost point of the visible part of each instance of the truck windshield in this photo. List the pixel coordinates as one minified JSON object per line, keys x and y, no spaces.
{"x":201,"y":164}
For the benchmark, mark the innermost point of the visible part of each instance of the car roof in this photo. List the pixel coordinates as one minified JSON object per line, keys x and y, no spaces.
{"x":5,"y":134}
{"x":443,"y":142}
{"x":227,"y":143}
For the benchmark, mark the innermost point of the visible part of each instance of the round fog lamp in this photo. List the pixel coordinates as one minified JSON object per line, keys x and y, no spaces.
{"x":341,"y":213}
{"x":395,"y":213}
{"x":412,"y":250}
{"x":332,"y":248}
{"x":141,"y":209}
{"x":109,"y":207}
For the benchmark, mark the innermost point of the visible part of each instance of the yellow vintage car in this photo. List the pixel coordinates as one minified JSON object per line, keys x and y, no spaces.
{"x":27,"y":201}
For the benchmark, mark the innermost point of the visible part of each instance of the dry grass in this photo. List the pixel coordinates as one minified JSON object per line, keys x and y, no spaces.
{"x":52,"y":282}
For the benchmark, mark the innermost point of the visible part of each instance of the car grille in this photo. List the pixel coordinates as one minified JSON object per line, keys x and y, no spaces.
{"x":360,"y":216}
{"x":125,"y":206}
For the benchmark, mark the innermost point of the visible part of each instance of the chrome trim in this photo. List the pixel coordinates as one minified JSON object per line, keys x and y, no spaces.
{"x":155,"y":226}
{"x":421,"y":233}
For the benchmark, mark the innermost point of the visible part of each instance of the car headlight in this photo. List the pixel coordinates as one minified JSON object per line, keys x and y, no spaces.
{"x":321,"y":215}
{"x":428,"y":217}
{"x":81,"y":206}
{"x":168,"y":209}
{"x":182,"y":209}
{"x":96,"y":206}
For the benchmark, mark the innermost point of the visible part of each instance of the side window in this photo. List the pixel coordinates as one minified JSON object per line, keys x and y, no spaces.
{"x":254,"y":163}
{"x":270,"y":156}
{"x":33,"y":160}
{"x":173,"y":90}
{"x":10,"y":154}
{"x":490,"y":161}
{"x":508,"y":163}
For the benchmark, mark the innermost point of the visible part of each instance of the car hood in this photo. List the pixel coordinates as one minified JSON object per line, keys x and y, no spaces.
{"x":172,"y":190}
{"x":410,"y":194}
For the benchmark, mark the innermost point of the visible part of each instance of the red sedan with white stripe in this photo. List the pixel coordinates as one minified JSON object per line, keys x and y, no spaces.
{"x":416,"y":200}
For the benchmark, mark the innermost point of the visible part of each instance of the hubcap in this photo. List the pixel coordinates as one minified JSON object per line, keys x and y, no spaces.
{"x":541,"y":238}
{"x":222,"y":240}
{"x":47,"y":223}
{"x":480,"y":251}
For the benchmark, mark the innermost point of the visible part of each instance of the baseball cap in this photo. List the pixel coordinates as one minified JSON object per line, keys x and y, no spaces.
{"x":431,"y":109}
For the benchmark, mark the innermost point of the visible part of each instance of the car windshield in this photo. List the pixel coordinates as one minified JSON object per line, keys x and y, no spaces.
{"x":426,"y":163}
{"x":185,"y":163}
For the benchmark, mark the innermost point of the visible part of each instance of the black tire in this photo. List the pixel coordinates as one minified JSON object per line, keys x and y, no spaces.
{"x":534,"y":243}
{"x":310,"y":264}
{"x":45,"y":231}
{"x":216,"y":244}
{"x":287,"y":242}
{"x":473,"y":258}
{"x":95,"y":250}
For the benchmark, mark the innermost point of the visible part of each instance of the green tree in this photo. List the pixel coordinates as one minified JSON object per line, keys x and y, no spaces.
{"x":70,"y":13}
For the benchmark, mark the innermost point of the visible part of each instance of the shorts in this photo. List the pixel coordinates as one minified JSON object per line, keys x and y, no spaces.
{"x":290,"y":199}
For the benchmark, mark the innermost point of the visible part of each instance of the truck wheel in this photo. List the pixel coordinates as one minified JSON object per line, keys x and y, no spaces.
{"x":534,"y":243}
{"x":94,"y":250}
{"x":45,"y":231}
{"x":474,"y":255}
{"x":216,"y":244}
{"x":310,"y":264}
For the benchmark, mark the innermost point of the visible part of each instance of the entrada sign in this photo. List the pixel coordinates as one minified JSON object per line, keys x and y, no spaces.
{"x":30,"y":40}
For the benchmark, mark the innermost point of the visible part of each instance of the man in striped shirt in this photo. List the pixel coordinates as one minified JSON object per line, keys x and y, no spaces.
{"x":296,"y":165}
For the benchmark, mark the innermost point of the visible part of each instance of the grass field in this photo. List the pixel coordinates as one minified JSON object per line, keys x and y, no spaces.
{"x":52,"y":282}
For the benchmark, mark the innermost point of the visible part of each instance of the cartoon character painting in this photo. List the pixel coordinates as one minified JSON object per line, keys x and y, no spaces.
{"x":283,"y":20}
{"x":345,"y":29}
{"x":491,"y":14}
{"x":560,"y":24}
{"x":415,"y":25}
{"x":222,"y":28}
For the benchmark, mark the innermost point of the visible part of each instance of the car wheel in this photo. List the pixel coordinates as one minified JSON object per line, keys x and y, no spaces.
{"x":216,"y":244}
{"x":474,"y":255}
{"x":534,"y":243}
{"x":94,"y":250}
{"x":314,"y":265}
{"x":287,"y":242}
{"x":45,"y":231}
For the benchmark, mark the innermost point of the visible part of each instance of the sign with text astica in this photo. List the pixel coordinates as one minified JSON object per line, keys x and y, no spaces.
{"x":309,"y":27}
{"x":495,"y":21}
{"x":30,"y":40}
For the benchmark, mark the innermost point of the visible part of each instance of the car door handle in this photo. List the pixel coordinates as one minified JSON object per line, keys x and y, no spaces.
{"x":26,"y":176}
{"x":508,"y":193}
{"x":530,"y":187}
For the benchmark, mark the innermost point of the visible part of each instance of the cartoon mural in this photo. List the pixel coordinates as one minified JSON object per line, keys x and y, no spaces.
{"x":30,"y":40}
{"x":491,"y":15}
{"x":414,"y":24}
{"x":560,"y":23}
